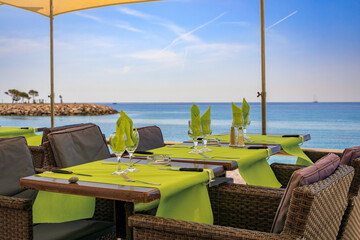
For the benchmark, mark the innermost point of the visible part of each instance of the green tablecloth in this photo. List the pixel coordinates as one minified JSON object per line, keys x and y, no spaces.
{"x":184,"y":195}
{"x":252,"y":163}
{"x":29,"y":133}
{"x":289,"y":144}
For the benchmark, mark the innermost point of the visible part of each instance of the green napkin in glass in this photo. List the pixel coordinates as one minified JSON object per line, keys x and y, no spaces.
{"x":237,"y":115}
{"x":195,"y":120}
{"x":120,"y":132}
{"x":245,"y":108}
{"x":131,"y":134}
{"x":205,"y":122}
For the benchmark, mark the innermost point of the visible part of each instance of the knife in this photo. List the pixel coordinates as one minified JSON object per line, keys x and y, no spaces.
{"x":69,"y":172}
{"x":143,"y":152}
{"x":183,"y":169}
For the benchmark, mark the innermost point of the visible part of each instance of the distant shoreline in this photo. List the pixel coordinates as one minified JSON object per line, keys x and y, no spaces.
{"x":61,"y":109}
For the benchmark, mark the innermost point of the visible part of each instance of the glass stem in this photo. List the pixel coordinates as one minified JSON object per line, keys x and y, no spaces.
{"x":131,"y":160}
{"x":205,"y":142}
{"x":195,"y":144}
{"x":118,"y":161}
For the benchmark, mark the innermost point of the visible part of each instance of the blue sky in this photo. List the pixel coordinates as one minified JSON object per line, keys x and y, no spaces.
{"x":186,"y":50}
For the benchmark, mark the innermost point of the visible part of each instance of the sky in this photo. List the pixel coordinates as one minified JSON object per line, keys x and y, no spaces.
{"x":186,"y":51}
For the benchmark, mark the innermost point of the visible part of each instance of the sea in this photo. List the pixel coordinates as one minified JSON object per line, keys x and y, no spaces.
{"x":332,"y":125}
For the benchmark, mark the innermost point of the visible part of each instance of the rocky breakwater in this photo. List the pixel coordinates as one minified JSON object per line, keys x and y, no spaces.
{"x":63,"y":109}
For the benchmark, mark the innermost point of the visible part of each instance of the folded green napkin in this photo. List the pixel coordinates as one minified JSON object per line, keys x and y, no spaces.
{"x":127,"y":124}
{"x":245,"y":108}
{"x":119,"y":138}
{"x":237,"y":115}
{"x":205,"y":123}
{"x":195,"y":120}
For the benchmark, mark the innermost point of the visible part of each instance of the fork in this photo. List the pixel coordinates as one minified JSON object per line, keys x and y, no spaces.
{"x":205,"y":156}
{"x":128,"y":179}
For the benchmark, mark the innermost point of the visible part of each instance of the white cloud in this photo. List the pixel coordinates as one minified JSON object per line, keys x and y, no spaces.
{"x":97,"y":19}
{"x":123,"y":25}
{"x":153,"y":55}
{"x":189,"y":33}
{"x":21,"y":45}
{"x":283,"y":19}
{"x":215,"y":51}
{"x":136,"y":13}
{"x":127,"y":26}
{"x":240,"y":23}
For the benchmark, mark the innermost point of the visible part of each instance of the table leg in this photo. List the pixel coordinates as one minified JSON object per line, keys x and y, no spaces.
{"x":123,"y":210}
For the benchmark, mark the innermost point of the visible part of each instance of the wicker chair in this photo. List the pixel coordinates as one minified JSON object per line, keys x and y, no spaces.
{"x":16,"y":205}
{"x":350,"y":226}
{"x":247,"y":212}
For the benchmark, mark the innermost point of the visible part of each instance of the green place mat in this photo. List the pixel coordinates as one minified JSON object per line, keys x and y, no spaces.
{"x":184,"y":195}
{"x":252,"y":163}
{"x":31,"y":138}
{"x":289,"y":144}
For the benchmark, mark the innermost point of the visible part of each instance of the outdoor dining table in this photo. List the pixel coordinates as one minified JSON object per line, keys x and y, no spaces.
{"x":125,"y":196}
{"x":251,"y":161}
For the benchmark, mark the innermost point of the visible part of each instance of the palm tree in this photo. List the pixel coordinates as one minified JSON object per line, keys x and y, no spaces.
{"x":34,"y":94}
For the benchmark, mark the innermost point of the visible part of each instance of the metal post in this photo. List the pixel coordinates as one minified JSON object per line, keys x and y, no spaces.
{"x":263,"y":90}
{"x":52,"y":66}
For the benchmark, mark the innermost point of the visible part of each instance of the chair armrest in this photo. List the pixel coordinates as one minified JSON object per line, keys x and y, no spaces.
{"x":244,"y":206}
{"x":150,"y":227}
{"x":15,"y":218}
{"x":38,"y":154}
{"x":283,"y":171}
{"x":355,"y":184}
{"x":15,"y":203}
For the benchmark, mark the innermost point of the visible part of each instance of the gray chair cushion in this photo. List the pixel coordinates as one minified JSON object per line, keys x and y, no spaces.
{"x":350,"y":154}
{"x":150,"y":137}
{"x":78,"y":145}
{"x":15,"y":162}
{"x":27,"y":194}
{"x":74,"y":230}
{"x":305,"y":176}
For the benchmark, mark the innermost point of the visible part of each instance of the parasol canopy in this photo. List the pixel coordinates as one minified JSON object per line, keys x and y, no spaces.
{"x":64,"y":6}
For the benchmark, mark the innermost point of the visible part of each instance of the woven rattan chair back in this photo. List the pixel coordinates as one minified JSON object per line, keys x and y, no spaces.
{"x":315,"y":213}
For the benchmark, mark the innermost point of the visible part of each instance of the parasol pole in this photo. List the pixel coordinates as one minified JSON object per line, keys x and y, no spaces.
{"x":263,"y":91}
{"x":52,"y":65}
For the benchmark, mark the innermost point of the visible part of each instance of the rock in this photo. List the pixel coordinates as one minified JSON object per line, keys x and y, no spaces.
{"x":20,"y":109}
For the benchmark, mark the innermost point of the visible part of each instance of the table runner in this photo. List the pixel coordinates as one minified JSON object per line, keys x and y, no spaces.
{"x":184,"y":195}
{"x":29,"y":133}
{"x":252,"y":163}
{"x":289,"y":144}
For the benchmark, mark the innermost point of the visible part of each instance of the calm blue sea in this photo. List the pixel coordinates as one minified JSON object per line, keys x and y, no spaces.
{"x":331,"y":125}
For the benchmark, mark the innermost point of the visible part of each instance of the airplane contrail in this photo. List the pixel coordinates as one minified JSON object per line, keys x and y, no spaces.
{"x":192,"y":31}
{"x":281,"y":20}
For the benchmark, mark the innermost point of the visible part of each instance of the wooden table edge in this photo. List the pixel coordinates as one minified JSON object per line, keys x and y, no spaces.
{"x":92,"y":189}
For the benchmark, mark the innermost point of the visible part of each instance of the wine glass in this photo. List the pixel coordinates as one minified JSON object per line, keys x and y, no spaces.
{"x":132,"y":143}
{"x":206,"y":132}
{"x":117,"y":146}
{"x":244,"y":129}
{"x":194,"y":133}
